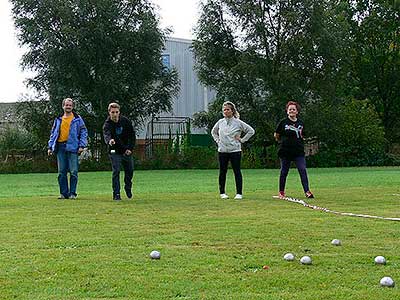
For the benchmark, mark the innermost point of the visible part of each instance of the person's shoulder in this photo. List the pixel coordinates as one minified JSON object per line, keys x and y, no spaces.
{"x":240,"y":121}
{"x":219,"y":121}
{"x":283,"y":121}
{"x":76,"y":116}
{"x":125,"y":119}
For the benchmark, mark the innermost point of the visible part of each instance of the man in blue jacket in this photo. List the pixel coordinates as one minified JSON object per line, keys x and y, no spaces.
{"x":68,"y":139}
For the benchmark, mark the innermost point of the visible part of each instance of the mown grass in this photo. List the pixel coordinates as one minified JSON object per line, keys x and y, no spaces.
{"x":94,"y":248}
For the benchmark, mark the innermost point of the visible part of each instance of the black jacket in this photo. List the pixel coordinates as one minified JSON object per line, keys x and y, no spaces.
{"x":122,"y":132}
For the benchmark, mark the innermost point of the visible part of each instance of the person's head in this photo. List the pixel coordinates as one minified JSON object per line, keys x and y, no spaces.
{"x":68,"y":105}
{"x":113,"y":111}
{"x":229,"y":110}
{"x":292,"y":109}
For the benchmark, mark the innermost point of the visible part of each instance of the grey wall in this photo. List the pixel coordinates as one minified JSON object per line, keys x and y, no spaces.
{"x":193,"y":96}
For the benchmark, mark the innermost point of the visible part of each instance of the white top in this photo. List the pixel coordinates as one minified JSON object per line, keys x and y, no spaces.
{"x":225,"y":132}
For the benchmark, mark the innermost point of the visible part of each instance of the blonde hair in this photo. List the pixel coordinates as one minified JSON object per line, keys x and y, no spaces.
{"x":232,"y":107}
{"x":68,"y":99}
{"x":113,"y":105}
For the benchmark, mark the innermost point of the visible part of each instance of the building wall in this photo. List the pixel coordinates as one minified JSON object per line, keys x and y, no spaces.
{"x":193,"y":96}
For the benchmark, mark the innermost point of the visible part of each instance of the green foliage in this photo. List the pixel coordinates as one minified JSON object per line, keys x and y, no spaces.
{"x":96,"y":52}
{"x":36,"y":118}
{"x":15,"y":139}
{"x":375,"y":71}
{"x":180,"y":156}
{"x":94,"y":248}
{"x":260,"y":54}
{"x":352,"y":136}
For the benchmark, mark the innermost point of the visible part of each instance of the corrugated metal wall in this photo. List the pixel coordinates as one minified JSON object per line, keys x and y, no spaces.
{"x":193,"y":96}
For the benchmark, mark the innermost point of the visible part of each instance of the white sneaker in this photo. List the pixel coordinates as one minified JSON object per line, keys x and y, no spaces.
{"x":238,"y":197}
{"x":224,"y":196}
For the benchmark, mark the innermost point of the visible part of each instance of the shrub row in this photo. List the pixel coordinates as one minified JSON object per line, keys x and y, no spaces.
{"x":202,"y":158}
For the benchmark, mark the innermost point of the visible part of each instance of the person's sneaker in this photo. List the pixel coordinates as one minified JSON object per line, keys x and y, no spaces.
{"x":73,"y":197}
{"x":62,"y":197}
{"x":281,"y":195}
{"x":129,"y":194}
{"x":309,"y":195}
{"x":117,"y":197}
{"x":224,"y":196}
{"x":238,"y":197}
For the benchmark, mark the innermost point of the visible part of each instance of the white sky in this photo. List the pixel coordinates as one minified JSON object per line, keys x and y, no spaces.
{"x":180,"y":15}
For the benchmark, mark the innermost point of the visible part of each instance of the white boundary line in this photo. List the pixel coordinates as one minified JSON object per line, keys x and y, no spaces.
{"x":305,"y":204}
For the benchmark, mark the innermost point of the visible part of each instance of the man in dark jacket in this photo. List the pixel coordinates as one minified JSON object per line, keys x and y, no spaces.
{"x":119,"y":136}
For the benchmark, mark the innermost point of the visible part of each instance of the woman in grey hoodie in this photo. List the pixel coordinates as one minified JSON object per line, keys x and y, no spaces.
{"x":227,"y":133}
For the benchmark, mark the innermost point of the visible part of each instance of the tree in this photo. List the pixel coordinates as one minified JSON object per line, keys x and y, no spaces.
{"x":96,"y":52}
{"x":354,"y":137}
{"x":260,"y":54}
{"x":375,"y":72}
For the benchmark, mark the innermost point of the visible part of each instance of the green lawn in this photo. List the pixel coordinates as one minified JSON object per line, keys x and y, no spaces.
{"x":94,"y":248}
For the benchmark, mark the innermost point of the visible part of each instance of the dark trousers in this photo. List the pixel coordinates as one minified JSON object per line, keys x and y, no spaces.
{"x":234,"y":158}
{"x":301,"y":167}
{"x":127,"y":162}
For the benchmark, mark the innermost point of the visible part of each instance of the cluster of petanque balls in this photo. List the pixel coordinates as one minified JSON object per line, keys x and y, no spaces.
{"x":306,"y":260}
{"x":379,"y":260}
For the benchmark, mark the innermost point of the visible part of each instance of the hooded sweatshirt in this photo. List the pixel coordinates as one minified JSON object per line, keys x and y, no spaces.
{"x":225,"y":131}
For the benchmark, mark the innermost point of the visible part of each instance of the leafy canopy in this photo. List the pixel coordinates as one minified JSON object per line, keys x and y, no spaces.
{"x":96,"y":52}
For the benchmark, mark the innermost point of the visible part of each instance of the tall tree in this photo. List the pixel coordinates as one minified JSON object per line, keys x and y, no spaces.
{"x":375,"y":69}
{"x":96,"y":52}
{"x":262,"y":53}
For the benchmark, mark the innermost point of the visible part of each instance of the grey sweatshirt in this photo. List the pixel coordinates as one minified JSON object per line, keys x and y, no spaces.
{"x":225,"y":131}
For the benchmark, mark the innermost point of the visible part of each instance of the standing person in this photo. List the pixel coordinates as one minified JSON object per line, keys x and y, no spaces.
{"x":227,"y":134}
{"x":120,"y":137}
{"x":68,"y":139}
{"x":290,"y":136}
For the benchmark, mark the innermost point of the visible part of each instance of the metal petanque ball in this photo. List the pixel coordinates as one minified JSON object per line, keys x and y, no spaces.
{"x":387,"y":282}
{"x":288,"y":257}
{"x":306,"y":260}
{"x":155,"y":254}
{"x":336,"y":242}
{"x":380,"y":260}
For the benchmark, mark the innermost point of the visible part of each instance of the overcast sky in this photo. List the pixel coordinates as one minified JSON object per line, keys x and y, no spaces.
{"x":180,"y":15}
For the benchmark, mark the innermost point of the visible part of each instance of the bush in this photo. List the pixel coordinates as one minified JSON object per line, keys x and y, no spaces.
{"x":349,"y":135}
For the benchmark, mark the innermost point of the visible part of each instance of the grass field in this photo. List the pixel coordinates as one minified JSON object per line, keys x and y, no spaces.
{"x":95,"y":248}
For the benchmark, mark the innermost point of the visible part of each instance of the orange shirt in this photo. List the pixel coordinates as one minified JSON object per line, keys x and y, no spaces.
{"x":64,"y":128}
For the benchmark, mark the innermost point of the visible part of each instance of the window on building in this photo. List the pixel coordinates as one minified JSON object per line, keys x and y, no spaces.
{"x":165,"y":58}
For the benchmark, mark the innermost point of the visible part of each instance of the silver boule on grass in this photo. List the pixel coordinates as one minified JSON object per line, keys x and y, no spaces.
{"x":336,"y":242}
{"x":387,"y":282}
{"x":155,"y":254}
{"x":380,"y":260}
{"x":288,"y":257}
{"x":306,"y":260}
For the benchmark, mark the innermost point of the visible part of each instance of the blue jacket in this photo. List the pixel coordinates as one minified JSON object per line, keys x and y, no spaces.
{"x":77,"y":137}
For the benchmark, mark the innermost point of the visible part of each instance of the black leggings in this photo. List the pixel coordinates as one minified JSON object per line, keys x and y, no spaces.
{"x":235,"y":158}
{"x":301,"y":167}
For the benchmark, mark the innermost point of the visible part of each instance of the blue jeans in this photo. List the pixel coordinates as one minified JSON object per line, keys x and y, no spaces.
{"x":301,"y":167}
{"x":67,"y":162}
